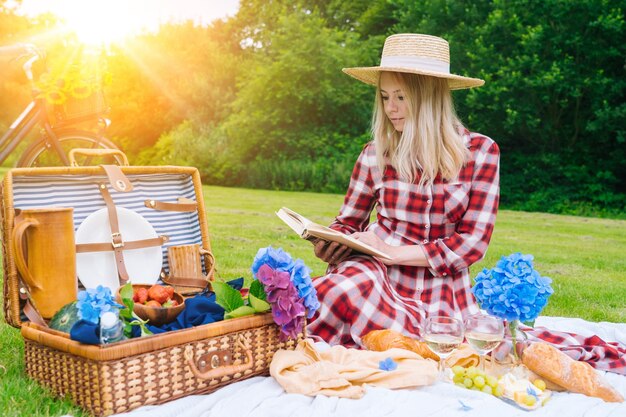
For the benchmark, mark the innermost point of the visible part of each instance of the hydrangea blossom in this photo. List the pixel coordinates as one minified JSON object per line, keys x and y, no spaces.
{"x":288,"y":287}
{"x":93,"y":302}
{"x":513,"y":290}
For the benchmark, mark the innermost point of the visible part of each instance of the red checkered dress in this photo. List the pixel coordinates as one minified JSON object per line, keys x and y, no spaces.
{"x":452,"y":220}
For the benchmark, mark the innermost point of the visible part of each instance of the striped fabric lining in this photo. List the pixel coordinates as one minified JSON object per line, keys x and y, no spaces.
{"x":82,"y":193}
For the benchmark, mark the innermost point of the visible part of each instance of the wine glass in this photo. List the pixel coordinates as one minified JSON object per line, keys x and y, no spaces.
{"x":484,"y":332}
{"x":443,"y":335}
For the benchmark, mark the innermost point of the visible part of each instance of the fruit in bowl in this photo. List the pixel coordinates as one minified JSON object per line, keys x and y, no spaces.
{"x":159,"y":304}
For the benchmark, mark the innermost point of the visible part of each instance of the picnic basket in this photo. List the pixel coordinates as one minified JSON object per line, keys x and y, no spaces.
{"x":114,"y":378}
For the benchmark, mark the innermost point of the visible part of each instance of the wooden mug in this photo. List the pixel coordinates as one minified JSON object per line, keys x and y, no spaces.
{"x":45,"y":256}
{"x":185,"y":261}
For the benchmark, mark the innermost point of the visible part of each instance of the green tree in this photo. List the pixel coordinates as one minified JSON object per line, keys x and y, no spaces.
{"x":554,"y":93}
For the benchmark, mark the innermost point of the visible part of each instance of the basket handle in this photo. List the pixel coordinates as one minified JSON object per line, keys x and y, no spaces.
{"x":96,"y":152}
{"x":219,"y":371}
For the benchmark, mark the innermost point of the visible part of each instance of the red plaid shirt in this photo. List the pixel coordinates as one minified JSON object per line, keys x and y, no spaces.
{"x":452,"y":220}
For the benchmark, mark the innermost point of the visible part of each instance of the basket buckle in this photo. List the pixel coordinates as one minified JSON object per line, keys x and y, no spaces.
{"x":116,"y":240}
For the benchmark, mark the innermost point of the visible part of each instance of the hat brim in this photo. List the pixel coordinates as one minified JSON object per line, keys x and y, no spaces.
{"x":369,"y":75}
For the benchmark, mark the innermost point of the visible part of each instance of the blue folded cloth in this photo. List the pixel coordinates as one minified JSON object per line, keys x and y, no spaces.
{"x":85,"y":332}
{"x":201,"y":309}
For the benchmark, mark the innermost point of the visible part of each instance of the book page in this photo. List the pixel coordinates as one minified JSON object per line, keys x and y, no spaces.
{"x":306,"y":229}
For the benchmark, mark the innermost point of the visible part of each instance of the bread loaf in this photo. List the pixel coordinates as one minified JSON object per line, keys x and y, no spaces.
{"x":381,"y":340}
{"x":555,"y":366}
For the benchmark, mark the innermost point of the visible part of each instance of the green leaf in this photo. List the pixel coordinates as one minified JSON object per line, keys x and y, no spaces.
{"x":260,"y":306}
{"x":227,"y":297}
{"x":127,"y":291}
{"x":256,"y":289}
{"x":239,"y":312}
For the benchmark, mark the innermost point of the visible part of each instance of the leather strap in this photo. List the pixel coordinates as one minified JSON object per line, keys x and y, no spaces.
{"x":116,"y":237}
{"x":33,"y":315}
{"x":133,"y":244}
{"x":117,"y":179}
{"x":183,"y":205}
{"x":185,"y":282}
{"x":29,"y":310}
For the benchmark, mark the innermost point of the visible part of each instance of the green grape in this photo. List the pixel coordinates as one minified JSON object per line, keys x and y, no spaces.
{"x":458,"y":370}
{"x":492,"y":381}
{"x":487,"y":390}
{"x":479,"y":381}
{"x":498,"y":391}
{"x":471,"y":372}
{"x":458,"y":378}
{"x":468,"y":383}
{"x":530,"y":400}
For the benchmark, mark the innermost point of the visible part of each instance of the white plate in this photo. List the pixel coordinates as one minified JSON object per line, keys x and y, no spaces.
{"x":99,"y":268}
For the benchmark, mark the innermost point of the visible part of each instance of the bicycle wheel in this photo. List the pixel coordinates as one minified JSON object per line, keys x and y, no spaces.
{"x":42,"y":154}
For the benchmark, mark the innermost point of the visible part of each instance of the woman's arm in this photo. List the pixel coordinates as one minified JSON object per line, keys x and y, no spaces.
{"x":355,"y":211}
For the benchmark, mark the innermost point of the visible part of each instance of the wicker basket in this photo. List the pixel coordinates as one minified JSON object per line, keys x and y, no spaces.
{"x":122,"y":376}
{"x":78,"y":109}
{"x":150,"y":370}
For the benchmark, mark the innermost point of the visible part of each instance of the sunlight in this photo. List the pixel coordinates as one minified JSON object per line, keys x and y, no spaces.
{"x":100,"y":22}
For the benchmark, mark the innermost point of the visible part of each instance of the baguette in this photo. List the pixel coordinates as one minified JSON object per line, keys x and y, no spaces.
{"x":381,"y":340}
{"x":555,"y":366}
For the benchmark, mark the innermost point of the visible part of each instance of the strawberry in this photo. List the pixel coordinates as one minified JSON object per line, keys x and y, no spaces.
{"x":158,"y":293}
{"x":154,"y":303}
{"x":142,"y":296}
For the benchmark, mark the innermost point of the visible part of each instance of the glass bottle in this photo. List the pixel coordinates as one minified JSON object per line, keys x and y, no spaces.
{"x":111,"y":328}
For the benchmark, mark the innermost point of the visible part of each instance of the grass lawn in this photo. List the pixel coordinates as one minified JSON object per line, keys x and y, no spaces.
{"x":585,"y":258}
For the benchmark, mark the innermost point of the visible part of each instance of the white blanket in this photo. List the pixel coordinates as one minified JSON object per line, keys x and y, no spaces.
{"x":262,"y":396}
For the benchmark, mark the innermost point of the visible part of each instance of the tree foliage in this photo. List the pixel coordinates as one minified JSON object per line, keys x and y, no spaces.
{"x":259,"y":99}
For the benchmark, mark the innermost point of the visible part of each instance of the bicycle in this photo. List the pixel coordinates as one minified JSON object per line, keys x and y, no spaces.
{"x":57,"y":136}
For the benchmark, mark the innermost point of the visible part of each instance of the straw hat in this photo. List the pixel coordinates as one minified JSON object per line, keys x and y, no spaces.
{"x":415,"y":54}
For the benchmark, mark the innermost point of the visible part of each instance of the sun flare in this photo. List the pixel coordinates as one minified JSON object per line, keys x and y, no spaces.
{"x":100,"y":22}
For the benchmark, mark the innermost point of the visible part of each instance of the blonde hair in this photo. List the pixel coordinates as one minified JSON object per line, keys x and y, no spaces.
{"x":429,"y":142}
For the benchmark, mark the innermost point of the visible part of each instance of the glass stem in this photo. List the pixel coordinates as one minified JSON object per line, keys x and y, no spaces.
{"x":441,"y":368}
{"x":513,"y":329}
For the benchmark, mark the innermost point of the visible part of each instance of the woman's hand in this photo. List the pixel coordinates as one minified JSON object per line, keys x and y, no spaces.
{"x":370,"y":238}
{"x":331,"y":252}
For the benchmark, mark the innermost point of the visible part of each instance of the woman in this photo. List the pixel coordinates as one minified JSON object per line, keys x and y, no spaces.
{"x":435,"y":189}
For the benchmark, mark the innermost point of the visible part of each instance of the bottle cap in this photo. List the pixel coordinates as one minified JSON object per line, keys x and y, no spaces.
{"x":108,"y":320}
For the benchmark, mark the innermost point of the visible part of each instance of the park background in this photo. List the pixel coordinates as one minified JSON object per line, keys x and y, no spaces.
{"x":257,"y":100}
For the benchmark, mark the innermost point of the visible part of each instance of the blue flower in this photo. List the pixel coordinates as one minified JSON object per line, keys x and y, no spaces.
{"x":301,"y":278}
{"x":92,"y":302}
{"x":387,"y":365}
{"x":464,"y":407}
{"x":513,"y":290}
{"x":275,"y":258}
{"x":266,"y":266}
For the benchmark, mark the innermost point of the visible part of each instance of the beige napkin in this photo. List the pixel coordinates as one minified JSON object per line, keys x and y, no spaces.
{"x":342,"y":372}
{"x":464,"y":356}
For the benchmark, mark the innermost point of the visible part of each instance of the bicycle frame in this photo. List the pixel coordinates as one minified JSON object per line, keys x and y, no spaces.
{"x":32,"y":115}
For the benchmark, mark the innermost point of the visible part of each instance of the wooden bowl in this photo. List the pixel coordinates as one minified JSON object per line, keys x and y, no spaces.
{"x":156,"y":316}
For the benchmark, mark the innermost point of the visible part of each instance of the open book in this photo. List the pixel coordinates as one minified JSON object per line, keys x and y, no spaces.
{"x":308,"y":229}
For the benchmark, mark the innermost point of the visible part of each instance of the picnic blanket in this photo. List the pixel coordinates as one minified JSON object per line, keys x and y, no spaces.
{"x":263,"y":396}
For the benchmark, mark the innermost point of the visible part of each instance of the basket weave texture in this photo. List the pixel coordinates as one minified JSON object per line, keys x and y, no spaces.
{"x":146,"y":373}
{"x":115,"y":378}
{"x":74,"y":109}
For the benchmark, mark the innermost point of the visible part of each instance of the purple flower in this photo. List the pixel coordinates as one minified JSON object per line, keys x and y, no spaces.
{"x":513,"y":290}
{"x":288,"y":288}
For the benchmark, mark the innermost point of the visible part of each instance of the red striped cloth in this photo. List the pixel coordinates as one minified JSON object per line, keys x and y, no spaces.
{"x":602,"y":355}
{"x":452,"y":221}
